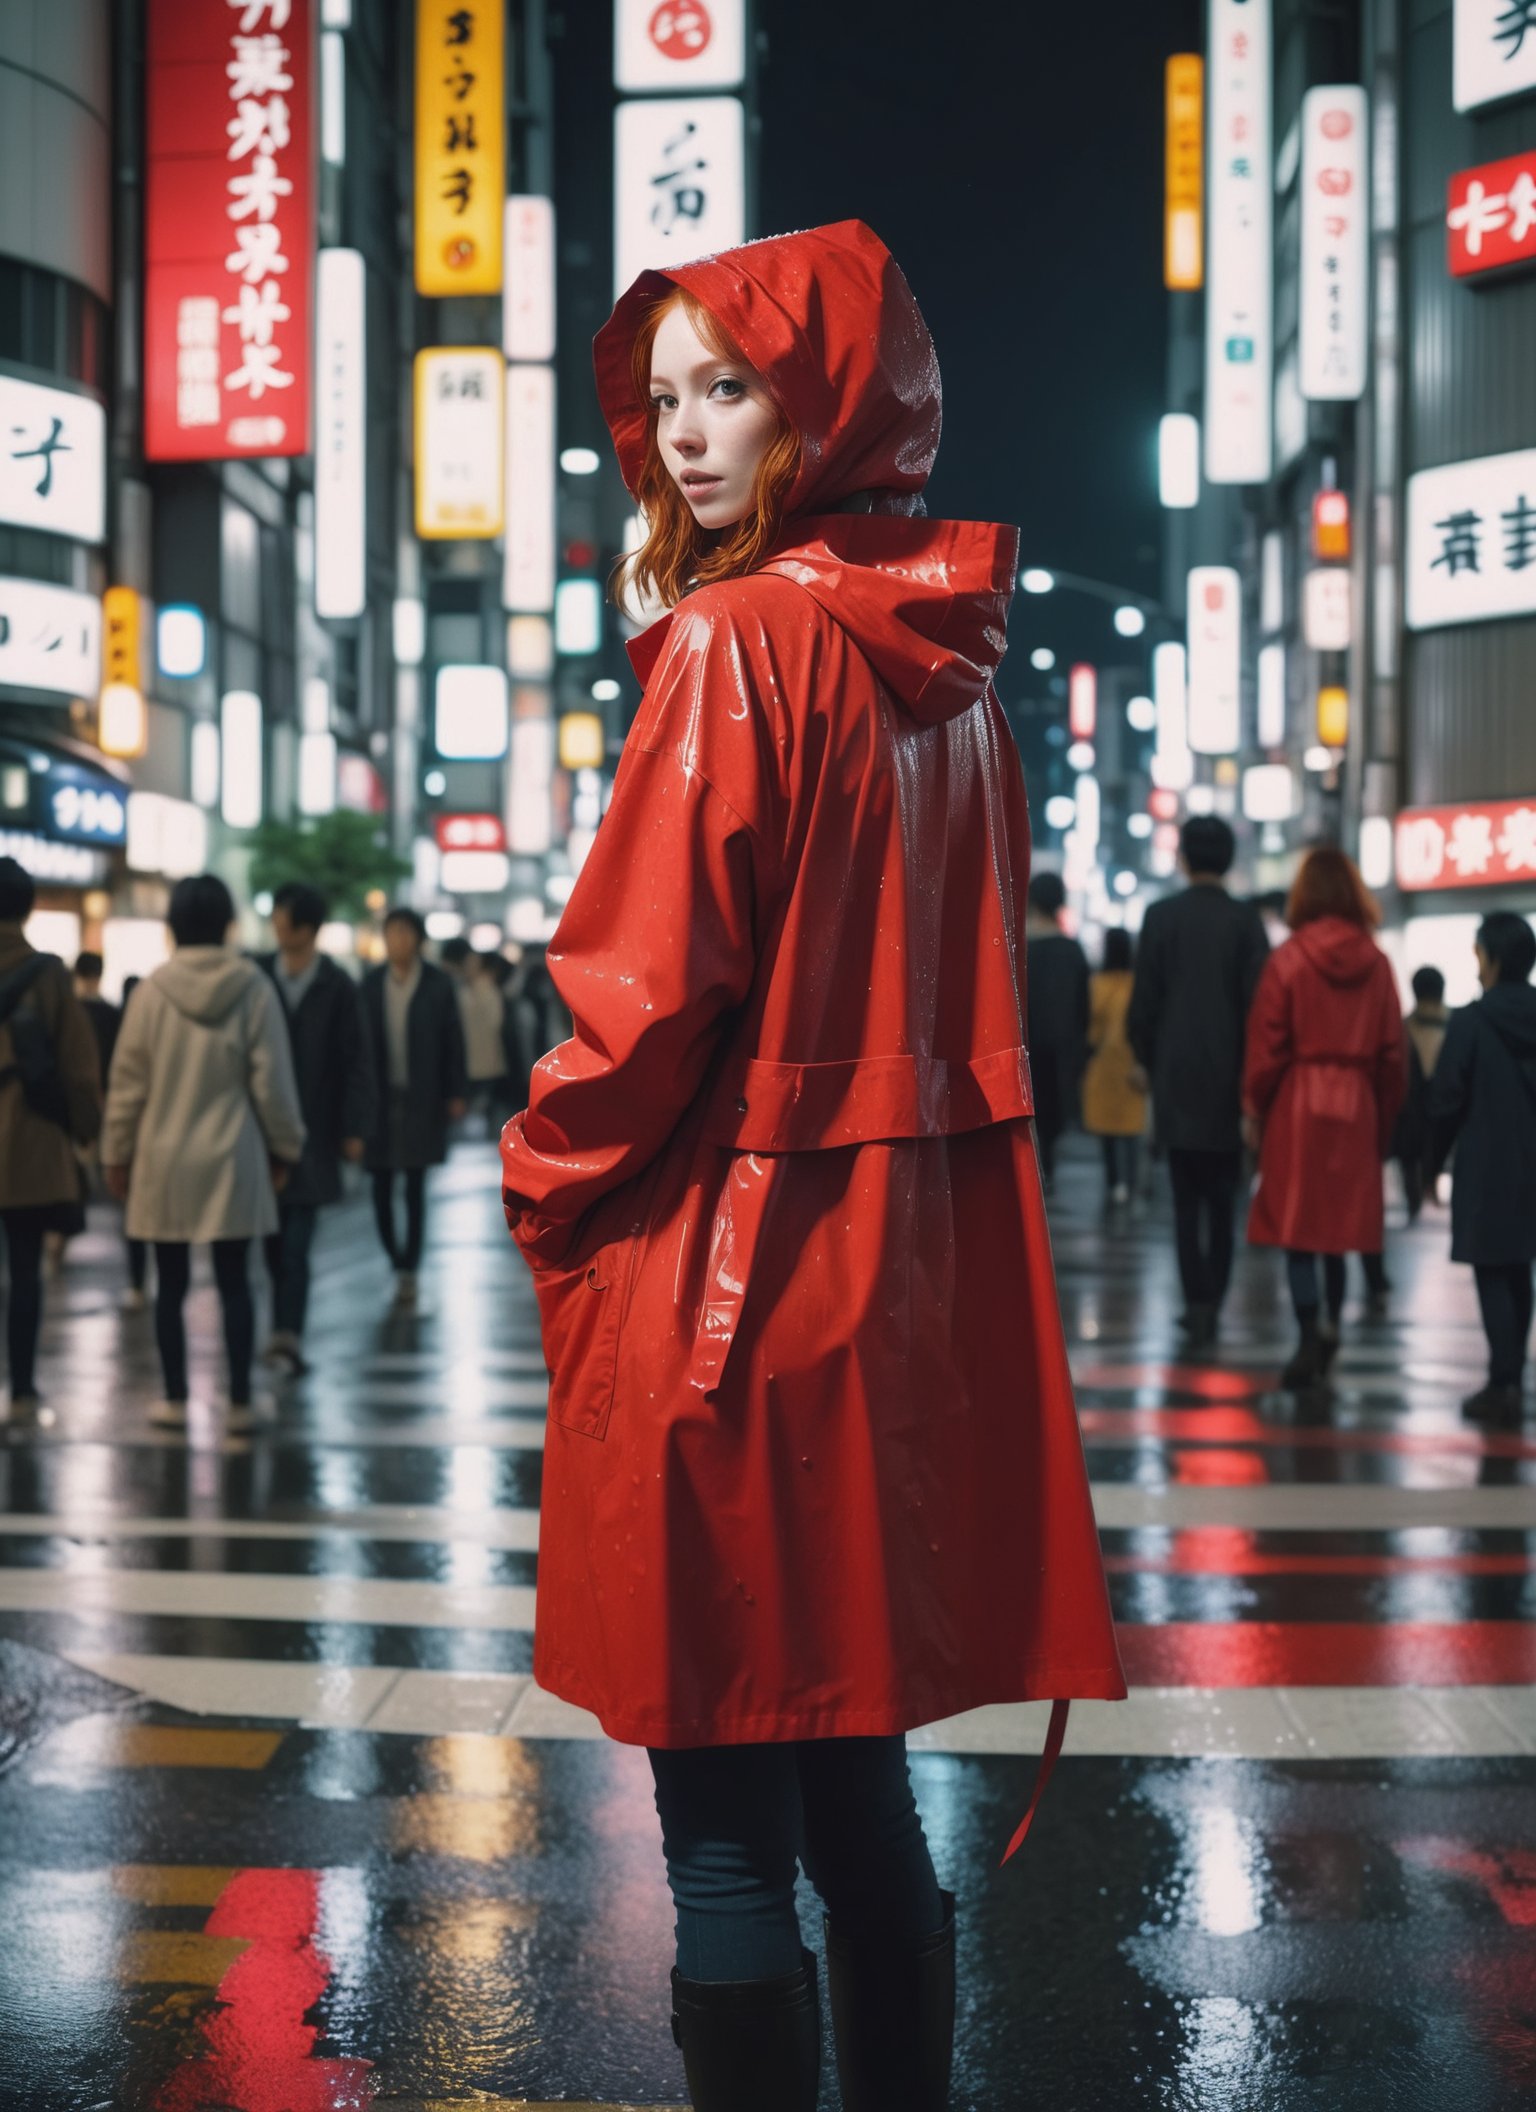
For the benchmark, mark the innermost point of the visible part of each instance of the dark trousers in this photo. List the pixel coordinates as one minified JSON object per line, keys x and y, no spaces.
{"x":138,"y":1262}
{"x":1204,"y":1206}
{"x":1120,"y":1156}
{"x":1504,"y":1291}
{"x":1301,"y":1272}
{"x":288,"y":1266}
{"x":735,"y":1820}
{"x":24,"y":1231}
{"x":407,"y":1257}
{"x":231,"y":1271}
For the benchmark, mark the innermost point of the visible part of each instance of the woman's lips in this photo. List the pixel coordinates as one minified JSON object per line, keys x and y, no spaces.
{"x":700,"y":487}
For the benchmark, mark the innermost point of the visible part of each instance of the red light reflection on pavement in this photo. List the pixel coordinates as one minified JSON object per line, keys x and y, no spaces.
{"x":1329,"y":1653}
{"x":260,"y":2050}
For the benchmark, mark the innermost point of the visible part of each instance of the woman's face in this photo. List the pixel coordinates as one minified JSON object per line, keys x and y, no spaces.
{"x":714,"y":421}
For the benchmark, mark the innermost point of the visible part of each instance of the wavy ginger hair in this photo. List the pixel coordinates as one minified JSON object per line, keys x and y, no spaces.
{"x":678,"y":554}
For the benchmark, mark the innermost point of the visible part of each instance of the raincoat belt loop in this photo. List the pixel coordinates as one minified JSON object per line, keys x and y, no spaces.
{"x":1053,"y":1741}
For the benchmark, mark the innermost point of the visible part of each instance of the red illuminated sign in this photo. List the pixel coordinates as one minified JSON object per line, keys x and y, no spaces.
{"x":1483,"y":843}
{"x":228,"y":229}
{"x":470,"y":832}
{"x":1490,"y":218}
{"x":1163,"y":804}
{"x":1083,"y":701}
{"x":1330,"y":524}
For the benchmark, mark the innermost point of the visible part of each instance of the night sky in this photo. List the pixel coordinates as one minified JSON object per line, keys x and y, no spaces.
{"x":1011,"y":158}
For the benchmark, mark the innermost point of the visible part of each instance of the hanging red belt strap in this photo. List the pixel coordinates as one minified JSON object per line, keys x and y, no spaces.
{"x":1053,"y":1739}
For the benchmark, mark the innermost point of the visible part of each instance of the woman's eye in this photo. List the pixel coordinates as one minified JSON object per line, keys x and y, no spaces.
{"x":727,"y":382}
{"x":661,"y":403}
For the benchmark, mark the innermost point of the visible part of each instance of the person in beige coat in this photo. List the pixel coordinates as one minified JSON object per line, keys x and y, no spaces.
{"x":1114,"y":1104}
{"x":39,"y":1173}
{"x":202,"y":1127}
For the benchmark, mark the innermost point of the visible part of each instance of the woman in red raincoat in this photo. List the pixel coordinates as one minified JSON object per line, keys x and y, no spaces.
{"x":1323,"y":1080}
{"x":813,"y":1473}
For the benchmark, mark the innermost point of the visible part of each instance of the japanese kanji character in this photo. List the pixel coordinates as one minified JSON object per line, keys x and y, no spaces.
{"x":680,"y":28}
{"x":457,"y":185}
{"x":277,"y":11}
{"x":198,"y":363}
{"x":197,"y":322}
{"x":258,"y":68}
{"x":258,"y":252}
{"x":1470,"y":849}
{"x":260,"y":128}
{"x":1480,"y":213}
{"x":460,"y":83}
{"x":1519,"y":534}
{"x":1522,"y":205}
{"x":259,"y":372}
{"x":257,"y":311}
{"x":1512,"y":25}
{"x":259,"y":192}
{"x":459,"y":134}
{"x":460,"y":25}
{"x":680,"y":200}
{"x":1420,"y":851}
{"x":1459,"y":551}
{"x":197,"y":402}
{"x":1517,"y":840}
{"x":43,"y":452}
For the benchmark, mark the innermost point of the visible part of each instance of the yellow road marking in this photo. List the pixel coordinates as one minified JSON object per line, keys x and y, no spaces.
{"x":170,"y":1884}
{"x":97,"y":1741}
{"x":184,"y":1957}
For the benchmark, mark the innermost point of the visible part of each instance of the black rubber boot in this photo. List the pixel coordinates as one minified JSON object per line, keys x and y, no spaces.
{"x":893,"y":2016}
{"x":750,"y":2045}
{"x":1310,"y":1362}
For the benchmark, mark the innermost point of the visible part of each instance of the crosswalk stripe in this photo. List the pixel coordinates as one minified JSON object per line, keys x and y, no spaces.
{"x":212,"y":1594}
{"x":514,"y":1530}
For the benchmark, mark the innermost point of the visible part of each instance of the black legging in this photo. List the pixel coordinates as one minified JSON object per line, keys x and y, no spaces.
{"x":407,"y":1257}
{"x":1302,"y":1271}
{"x":1504,"y":1291}
{"x":173,"y":1273}
{"x":24,"y":1303}
{"x":1204,"y":1202}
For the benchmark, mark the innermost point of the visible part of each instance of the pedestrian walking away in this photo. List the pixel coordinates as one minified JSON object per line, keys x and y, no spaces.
{"x":334,"y":1073}
{"x":1197,"y":966}
{"x":1114,"y":1092}
{"x":1057,"y":1008}
{"x":417,"y":1046}
{"x":50,"y":1104}
{"x":1322,"y":1086}
{"x":779,"y":1193}
{"x":1413,"y":1141}
{"x":202,"y":1130}
{"x":482,"y":1015}
{"x":1482,"y":1099}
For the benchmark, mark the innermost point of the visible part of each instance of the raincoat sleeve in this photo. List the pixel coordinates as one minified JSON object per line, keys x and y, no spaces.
{"x":659,"y":940}
{"x":1269,"y":1048}
{"x":1144,"y":1021}
{"x":128,"y":1085}
{"x":1391,"y":1074}
{"x":1450,"y":1086}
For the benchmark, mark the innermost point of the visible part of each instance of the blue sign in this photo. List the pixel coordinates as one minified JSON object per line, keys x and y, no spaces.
{"x":84,"y":809}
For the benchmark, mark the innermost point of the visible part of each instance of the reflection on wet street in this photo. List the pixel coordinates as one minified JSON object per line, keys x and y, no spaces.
{"x":284,"y":1822}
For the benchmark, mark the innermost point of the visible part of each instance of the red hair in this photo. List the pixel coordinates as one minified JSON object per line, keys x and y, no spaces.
{"x":1328,"y":884}
{"x":677,"y":553}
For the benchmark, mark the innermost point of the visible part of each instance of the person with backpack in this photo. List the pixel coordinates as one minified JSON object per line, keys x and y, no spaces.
{"x":1482,"y":1098}
{"x":50,"y":1101}
{"x":203,"y":1128}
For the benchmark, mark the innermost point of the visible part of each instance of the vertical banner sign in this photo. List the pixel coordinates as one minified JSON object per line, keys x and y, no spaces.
{"x":528,"y":284}
{"x":461,"y":151}
{"x":528,"y":565}
{"x":1215,"y":659}
{"x":459,"y":444}
{"x":121,"y":639}
{"x":228,"y":229}
{"x":1333,"y":244}
{"x":678,"y":45}
{"x":340,"y":429}
{"x":679,"y":182}
{"x":1495,"y":51}
{"x":1239,"y":325}
{"x":1184,"y":172}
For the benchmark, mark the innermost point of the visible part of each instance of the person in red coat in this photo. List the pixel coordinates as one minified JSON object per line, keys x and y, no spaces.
{"x":1323,"y":1080}
{"x":813,"y":1473}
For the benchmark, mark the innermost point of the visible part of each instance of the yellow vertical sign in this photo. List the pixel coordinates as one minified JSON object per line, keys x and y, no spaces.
{"x":461,"y":102}
{"x":120,"y":638}
{"x":1184,"y":173}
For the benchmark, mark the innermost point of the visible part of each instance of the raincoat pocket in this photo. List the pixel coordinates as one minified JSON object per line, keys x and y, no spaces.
{"x":579,"y":1313}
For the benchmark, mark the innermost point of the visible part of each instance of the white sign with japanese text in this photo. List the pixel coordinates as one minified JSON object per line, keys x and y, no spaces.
{"x":340,"y":436}
{"x":1495,"y":51}
{"x":1471,"y":541}
{"x":459,"y":443}
{"x":1215,"y":659}
{"x":678,"y":45}
{"x":50,"y":638}
{"x":679,"y":182}
{"x":1333,"y":244}
{"x":1239,"y":320}
{"x":53,"y":460}
{"x":1325,"y":609}
{"x":528,"y":553}
{"x":528,"y":278}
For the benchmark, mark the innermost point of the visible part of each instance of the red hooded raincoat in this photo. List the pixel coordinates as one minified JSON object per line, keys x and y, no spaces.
{"x":813,"y":1467}
{"x":1324,"y":1074}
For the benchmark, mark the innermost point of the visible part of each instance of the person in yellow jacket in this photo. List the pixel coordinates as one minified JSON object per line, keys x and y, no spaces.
{"x":1114,"y":1106}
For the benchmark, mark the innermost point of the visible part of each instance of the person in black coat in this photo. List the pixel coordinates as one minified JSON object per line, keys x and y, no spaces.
{"x":334,"y":1069}
{"x":412,"y":1014}
{"x":1482,"y":1098}
{"x":1056,"y":985}
{"x":1197,"y":968}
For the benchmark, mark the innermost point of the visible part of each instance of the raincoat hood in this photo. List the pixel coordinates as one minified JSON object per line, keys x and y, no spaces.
{"x":206,"y":982}
{"x":1343,"y":952}
{"x":827,"y":318}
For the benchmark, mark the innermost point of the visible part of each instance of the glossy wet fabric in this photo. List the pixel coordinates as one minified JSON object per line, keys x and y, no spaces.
{"x":1325,"y":1074}
{"x":813,"y":1465}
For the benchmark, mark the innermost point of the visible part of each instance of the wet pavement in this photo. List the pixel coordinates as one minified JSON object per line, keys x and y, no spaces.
{"x":284,"y":1823}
